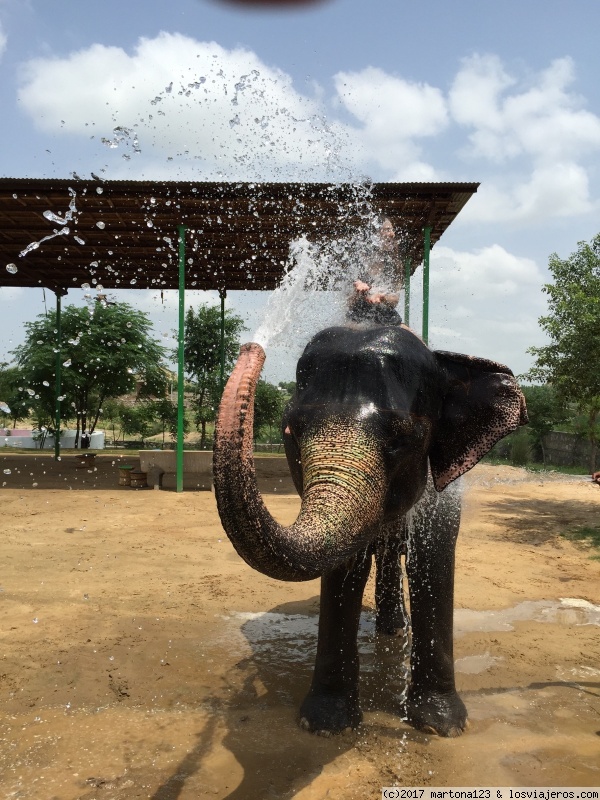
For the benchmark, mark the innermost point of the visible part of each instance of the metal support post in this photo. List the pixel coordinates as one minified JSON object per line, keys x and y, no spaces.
{"x":426,"y":251}
{"x":222,"y":295}
{"x":180,"y":361}
{"x":407,"y":270}
{"x":57,"y":378}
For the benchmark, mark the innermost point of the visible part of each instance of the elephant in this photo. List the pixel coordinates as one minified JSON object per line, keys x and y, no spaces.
{"x":377,"y":429}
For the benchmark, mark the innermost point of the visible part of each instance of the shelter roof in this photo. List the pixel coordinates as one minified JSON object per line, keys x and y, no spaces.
{"x":123,"y":234}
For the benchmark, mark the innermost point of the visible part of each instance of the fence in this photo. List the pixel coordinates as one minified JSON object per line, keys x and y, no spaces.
{"x":567,"y":449}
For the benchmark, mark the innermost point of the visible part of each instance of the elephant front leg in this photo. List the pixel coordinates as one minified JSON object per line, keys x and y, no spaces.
{"x":332,"y":703}
{"x":433,"y":703}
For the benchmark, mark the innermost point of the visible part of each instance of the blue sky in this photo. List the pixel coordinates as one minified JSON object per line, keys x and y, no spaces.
{"x":505,"y":94}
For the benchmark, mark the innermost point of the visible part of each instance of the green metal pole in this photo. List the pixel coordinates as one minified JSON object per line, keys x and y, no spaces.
{"x":180,"y":361}
{"x":222,"y":295}
{"x":58,"y":379}
{"x":407,"y":268}
{"x":426,"y":251}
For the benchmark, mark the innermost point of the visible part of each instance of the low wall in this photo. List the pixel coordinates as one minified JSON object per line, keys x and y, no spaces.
{"x":567,"y":449}
{"x":272,"y":473}
{"x":28,"y":439}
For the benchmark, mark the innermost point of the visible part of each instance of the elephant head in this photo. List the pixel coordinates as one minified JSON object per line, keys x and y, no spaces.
{"x":374,"y":409}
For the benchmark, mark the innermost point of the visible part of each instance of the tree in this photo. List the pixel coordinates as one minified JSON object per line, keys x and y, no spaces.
{"x":139,"y":420}
{"x":545,"y":411}
{"x":287,"y":388}
{"x":165,"y":412}
{"x":268,"y":407}
{"x":570,"y":361}
{"x":106,"y":349}
{"x":112,"y":414}
{"x":202,"y":358}
{"x":18,"y":402}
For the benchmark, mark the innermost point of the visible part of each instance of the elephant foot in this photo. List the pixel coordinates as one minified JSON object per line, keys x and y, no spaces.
{"x":435,"y":712}
{"x":326,"y":714}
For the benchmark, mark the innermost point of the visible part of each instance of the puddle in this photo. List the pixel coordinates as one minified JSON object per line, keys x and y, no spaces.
{"x":565,"y":611}
{"x":294,"y":636}
{"x":473,"y":665}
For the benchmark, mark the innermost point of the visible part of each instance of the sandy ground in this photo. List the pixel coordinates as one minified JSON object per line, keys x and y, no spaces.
{"x":141,"y":658}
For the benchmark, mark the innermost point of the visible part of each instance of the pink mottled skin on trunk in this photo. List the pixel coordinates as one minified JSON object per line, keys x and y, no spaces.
{"x":238,"y":396}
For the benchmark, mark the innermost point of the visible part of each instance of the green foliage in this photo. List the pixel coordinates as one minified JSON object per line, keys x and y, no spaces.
{"x":202,"y":358}
{"x":287,"y":387}
{"x":139,"y":420}
{"x":111,"y":414}
{"x":587,"y":534}
{"x":18,"y":401}
{"x":520,"y":449}
{"x":106,"y":348}
{"x":570,"y":361}
{"x":269,"y":402}
{"x":165,"y":413}
{"x":546,"y":411}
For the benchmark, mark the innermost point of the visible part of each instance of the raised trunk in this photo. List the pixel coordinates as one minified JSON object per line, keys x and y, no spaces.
{"x":342,"y":495}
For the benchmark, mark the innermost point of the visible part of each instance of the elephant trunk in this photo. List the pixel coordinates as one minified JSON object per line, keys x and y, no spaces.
{"x":342,"y":494}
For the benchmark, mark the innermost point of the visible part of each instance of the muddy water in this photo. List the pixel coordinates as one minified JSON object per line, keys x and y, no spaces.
{"x":141,"y":658}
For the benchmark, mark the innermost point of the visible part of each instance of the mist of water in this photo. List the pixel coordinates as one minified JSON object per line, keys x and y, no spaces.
{"x":316,"y":287}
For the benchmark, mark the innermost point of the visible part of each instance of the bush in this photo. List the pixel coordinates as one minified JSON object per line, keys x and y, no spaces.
{"x":520,"y":449}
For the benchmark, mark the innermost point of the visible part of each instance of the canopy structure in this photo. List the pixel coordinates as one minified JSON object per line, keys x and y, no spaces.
{"x":65,"y":233}
{"x":124,"y":233}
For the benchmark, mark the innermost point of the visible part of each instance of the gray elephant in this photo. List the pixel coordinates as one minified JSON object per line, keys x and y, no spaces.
{"x":375,"y":417}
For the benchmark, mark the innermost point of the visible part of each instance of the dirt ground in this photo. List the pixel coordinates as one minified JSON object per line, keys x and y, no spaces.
{"x":141,"y":658}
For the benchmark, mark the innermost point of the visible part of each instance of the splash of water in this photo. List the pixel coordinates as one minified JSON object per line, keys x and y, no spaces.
{"x":65,"y":230}
{"x":317,"y":285}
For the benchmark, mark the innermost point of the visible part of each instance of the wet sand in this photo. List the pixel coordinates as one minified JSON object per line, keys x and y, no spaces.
{"x":141,"y":658}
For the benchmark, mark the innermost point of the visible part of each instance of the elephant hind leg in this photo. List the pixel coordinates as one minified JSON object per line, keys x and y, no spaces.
{"x":391,"y":615}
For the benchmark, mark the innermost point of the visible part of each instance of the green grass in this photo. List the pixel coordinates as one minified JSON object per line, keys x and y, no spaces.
{"x":586,"y":534}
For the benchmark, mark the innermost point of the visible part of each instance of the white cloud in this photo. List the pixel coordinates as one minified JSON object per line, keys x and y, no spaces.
{"x":176,"y":101}
{"x":177,"y":108}
{"x":394,"y":114}
{"x":486,"y":303}
{"x":552,"y":190}
{"x":3,"y":41}
{"x":540,"y":125}
{"x":544,"y":120}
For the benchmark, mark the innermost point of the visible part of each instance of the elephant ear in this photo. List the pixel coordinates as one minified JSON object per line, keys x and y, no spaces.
{"x":482,"y":404}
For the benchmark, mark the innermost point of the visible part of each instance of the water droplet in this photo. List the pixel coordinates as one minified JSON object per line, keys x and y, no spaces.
{"x":8,"y":471}
{"x":85,"y":286}
{"x":67,"y":363}
{"x":12,"y":268}
{"x":45,"y":383}
{"x":99,"y":190}
{"x":35,"y":620}
{"x":100,"y":225}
